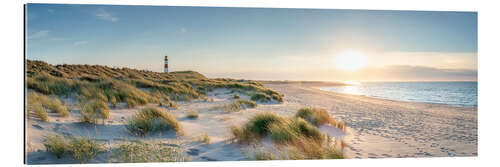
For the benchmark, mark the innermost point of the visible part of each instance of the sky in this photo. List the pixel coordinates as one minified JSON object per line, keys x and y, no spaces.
{"x":258,"y":43}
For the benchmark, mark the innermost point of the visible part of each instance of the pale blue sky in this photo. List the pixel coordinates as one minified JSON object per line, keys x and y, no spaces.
{"x":256,"y":43}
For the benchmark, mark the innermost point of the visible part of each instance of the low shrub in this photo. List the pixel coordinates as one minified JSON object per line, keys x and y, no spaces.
{"x":58,"y":107}
{"x":152,"y":120}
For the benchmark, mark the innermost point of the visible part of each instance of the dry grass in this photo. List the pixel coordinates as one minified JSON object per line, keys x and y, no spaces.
{"x":81,"y":149}
{"x":318,"y":117}
{"x":294,"y":137}
{"x":204,"y":138}
{"x":58,"y":107}
{"x":236,"y":106}
{"x":134,"y":87}
{"x":40,"y":112}
{"x":93,"y":110}
{"x":152,"y":120}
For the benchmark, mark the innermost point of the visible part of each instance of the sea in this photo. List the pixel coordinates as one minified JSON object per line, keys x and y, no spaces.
{"x":450,"y":93}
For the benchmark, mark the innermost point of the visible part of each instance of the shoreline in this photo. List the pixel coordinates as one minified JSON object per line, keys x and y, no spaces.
{"x":383,"y":128}
{"x":382,"y":98}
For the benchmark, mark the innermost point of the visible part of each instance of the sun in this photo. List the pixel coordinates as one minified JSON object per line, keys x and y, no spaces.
{"x":349,"y":60}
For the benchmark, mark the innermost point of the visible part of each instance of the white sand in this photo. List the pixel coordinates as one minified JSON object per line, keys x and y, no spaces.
{"x":385,"y":128}
{"x":377,"y":128}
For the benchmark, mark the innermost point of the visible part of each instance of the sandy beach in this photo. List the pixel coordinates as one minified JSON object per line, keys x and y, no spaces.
{"x":377,"y":128}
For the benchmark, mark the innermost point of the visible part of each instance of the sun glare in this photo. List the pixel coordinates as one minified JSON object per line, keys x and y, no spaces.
{"x":349,"y":60}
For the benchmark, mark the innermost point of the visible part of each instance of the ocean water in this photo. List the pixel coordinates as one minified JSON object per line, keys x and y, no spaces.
{"x":450,"y":93}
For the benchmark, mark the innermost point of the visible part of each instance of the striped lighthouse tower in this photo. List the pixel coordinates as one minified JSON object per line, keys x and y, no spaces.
{"x":165,"y":68}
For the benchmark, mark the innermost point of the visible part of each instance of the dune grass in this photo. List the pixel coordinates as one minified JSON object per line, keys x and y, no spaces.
{"x":133,"y":87}
{"x":236,"y":106}
{"x":296,"y":137}
{"x":150,"y":120}
{"x":58,"y":107}
{"x":318,"y":117}
{"x":193,"y":115}
{"x":204,"y":138}
{"x":132,"y":152}
{"x":93,"y":110}
{"x":81,"y":149}
{"x":84,"y":149}
{"x":40,"y":112}
{"x":55,"y":144}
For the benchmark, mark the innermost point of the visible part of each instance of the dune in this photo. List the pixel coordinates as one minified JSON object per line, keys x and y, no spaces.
{"x":375,"y":128}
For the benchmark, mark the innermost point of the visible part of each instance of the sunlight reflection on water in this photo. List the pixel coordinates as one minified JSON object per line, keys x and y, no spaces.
{"x":351,"y":89}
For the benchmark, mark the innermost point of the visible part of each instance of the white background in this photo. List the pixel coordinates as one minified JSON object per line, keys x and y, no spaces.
{"x":11,"y":109}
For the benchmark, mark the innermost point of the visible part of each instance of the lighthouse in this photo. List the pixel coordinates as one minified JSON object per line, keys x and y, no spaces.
{"x":165,"y":68}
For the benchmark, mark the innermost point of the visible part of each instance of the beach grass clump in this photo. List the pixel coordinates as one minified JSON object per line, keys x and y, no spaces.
{"x":93,"y":110}
{"x":150,"y":120}
{"x":81,"y":149}
{"x":204,"y":138}
{"x":193,"y":115}
{"x":40,"y":112}
{"x":257,"y":127}
{"x":260,"y":97}
{"x":238,"y":105}
{"x":298,"y":138}
{"x":135,"y":152}
{"x":55,"y":144}
{"x":318,"y":117}
{"x":84,"y":149}
{"x":57,"y":106}
{"x":263,"y":155}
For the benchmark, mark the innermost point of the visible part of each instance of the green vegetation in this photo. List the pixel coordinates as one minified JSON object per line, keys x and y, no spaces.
{"x":55,"y":144}
{"x":93,"y":110}
{"x":41,"y":104}
{"x":318,"y":117}
{"x":192,"y":115}
{"x":298,"y":138}
{"x":152,"y":120}
{"x":236,"y":96}
{"x":236,"y":106}
{"x":204,"y":138}
{"x":81,"y":149}
{"x":131,"y":152}
{"x":40,"y":111}
{"x":58,"y":107}
{"x":133,"y":87}
{"x":261,"y":97}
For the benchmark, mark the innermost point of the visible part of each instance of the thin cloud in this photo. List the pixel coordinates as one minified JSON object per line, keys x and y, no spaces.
{"x":104,"y":15}
{"x":78,"y":43}
{"x":39,"y":34}
{"x":183,"y":30}
{"x":50,"y":10}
